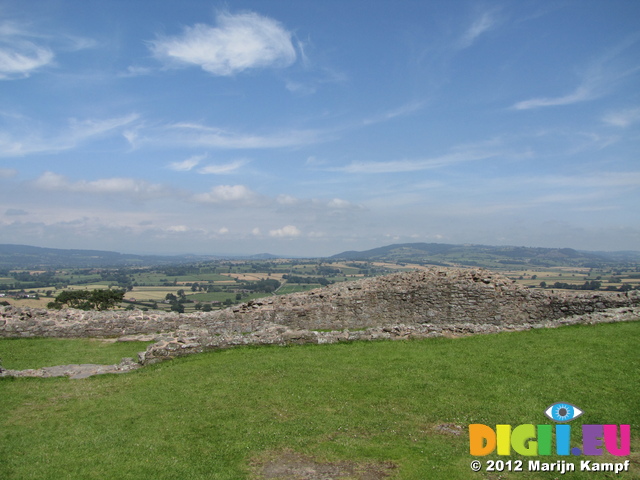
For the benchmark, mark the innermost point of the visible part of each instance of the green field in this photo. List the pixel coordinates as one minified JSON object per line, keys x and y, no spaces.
{"x":223,"y":414}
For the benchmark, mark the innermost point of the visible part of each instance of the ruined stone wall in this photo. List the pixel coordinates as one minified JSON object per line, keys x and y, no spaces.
{"x":435,"y":296}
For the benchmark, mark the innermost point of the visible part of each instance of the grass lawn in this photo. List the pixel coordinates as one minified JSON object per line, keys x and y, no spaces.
{"x":209,"y":416}
{"x":23,"y":353}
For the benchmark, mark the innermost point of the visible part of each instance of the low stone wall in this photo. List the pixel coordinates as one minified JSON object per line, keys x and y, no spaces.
{"x":434,"y":296}
{"x":188,"y":342}
{"x":420,"y":304}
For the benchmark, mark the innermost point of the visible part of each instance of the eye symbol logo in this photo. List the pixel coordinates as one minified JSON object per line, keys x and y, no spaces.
{"x":563,"y":412}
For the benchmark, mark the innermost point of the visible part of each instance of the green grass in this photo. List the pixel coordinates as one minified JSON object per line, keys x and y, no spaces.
{"x":207,"y":416}
{"x":23,"y":353}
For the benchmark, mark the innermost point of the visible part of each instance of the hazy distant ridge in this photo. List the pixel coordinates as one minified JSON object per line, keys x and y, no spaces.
{"x":25,"y":256}
{"x":483,"y":255}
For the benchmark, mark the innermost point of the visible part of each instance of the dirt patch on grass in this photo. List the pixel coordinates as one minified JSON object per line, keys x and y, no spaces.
{"x":449,"y":429}
{"x":289,"y":465}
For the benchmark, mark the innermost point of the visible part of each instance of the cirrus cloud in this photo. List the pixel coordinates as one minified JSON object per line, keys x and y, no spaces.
{"x":19,"y":56}
{"x":188,"y":164}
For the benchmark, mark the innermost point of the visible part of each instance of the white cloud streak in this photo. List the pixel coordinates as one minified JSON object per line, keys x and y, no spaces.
{"x":51,"y":181}
{"x":188,"y":164}
{"x":400,"y":166}
{"x":600,"y":77}
{"x":485,"y":22}
{"x":28,"y":142}
{"x":202,"y":136}
{"x":19,"y":55}
{"x":623,"y":118}
{"x":401,"y":111}
{"x":238,"y":42}
{"x":584,"y":92}
{"x":222,"y":169}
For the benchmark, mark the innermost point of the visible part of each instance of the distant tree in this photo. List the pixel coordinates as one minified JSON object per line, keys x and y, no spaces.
{"x":177,"y":307}
{"x":543,"y":284}
{"x":170,"y":297}
{"x":207,"y":307}
{"x":99,"y":299}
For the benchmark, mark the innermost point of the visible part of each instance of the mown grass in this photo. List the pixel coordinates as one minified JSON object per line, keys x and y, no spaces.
{"x":206,"y":416}
{"x":23,"y":353}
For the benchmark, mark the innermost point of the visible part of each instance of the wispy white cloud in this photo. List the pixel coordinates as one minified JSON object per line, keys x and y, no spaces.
{"x":223,"y":168}
{"x":237,"y":43}
{"x":623,"y":118}
{"x":24,"y":50}
{"x":135,"y":71}
{"x":82,"y":129}
{"x":459,"y":155}
{"x":202,"y":136}
{"x":20,"y":55}
{"x":51,"y":181}
{"x":188,"y":164}
{"x":586,"y":91}
{"x":483,"y":23}
{"x":29,"y":140}
{"x":599,"y":78}
{"x":401,"y":111}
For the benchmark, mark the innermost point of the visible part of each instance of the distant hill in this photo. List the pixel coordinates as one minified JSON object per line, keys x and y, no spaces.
{"x":29,"y":257}
{"x":25,"y":256}
{"x":488,"y":256}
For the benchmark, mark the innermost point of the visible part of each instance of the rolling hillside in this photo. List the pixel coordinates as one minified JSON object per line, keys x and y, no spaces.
{"x":488,"y":256}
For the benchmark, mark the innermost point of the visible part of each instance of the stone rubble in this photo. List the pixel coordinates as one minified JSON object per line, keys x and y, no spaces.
{"x":438,"y":301}
{"x":74,"y":371}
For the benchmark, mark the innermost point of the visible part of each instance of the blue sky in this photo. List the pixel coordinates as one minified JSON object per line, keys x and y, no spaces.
{"x":313,"y":127}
